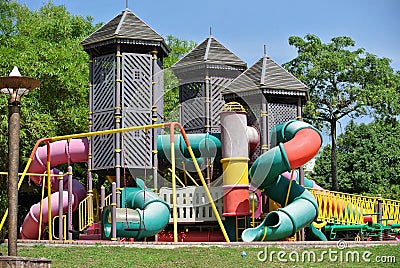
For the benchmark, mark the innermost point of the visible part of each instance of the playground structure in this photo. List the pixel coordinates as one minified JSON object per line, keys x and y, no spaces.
{"x":232,"y":173}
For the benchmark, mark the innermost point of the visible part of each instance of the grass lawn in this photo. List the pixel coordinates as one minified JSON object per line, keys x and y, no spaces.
{"x":216,"y":257}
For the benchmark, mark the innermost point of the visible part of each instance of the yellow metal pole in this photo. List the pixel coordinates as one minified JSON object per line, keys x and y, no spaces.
{"x":174,"y":211}
{"x":253,"y":208}
{"x":49,"y":193}
{"x":289,"y":187}
{"x":177,"y":177}
{"x":184,"y":173}
{"x":190,"y":177}
{"x":41,"y":212}
{"x":214,"y":208}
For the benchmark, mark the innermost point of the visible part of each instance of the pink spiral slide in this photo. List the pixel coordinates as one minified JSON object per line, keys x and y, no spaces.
{"x":76,"y":150}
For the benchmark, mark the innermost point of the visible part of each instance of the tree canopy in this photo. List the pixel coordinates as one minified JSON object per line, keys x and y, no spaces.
{"x":343,"y":81}
{"x":179,"y":48}
{"x":368,"y":159}
{"x":45,"y":44}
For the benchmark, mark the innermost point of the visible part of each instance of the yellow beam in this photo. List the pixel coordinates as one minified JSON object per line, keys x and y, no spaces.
{"x":190,"y":177}
{"x":49,"y":198}
{"x":106,"y":132}
{"x":174,"y":211}
{"x":179,"y":180}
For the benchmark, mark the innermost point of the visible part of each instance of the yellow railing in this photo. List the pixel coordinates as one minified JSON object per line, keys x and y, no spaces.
{"x":391,"y":211}
{"x":107,"y":200}
{"x":345,"y":208}
{"x":87,"y":213}
{"x":64,"y":219}
{"x":86,"y":217}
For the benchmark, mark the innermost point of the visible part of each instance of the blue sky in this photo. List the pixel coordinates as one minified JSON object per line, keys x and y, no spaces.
{"x":245,"y":26}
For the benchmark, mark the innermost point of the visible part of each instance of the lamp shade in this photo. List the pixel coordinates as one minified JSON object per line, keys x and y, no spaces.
{"x":17,"y":85}
{"x":21,"y":83}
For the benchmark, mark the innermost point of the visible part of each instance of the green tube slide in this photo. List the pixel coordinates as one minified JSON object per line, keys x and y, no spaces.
{"x":203,"y":145}
{"x":143,"y":214}
{"x":301,"y":208}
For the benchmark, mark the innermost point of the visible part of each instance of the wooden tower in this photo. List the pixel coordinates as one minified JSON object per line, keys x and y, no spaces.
{"x":126,"y":85}
{"x":202,"y":74}
{"x":270,"y":94}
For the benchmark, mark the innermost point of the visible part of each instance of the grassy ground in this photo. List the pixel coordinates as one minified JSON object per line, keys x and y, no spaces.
{"x":217,"y":257}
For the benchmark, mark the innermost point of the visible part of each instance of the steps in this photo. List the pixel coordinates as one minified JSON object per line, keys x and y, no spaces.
{"x":93,"y":232}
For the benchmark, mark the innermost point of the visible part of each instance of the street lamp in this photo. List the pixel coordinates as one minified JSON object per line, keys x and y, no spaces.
{"x":15,"y":86}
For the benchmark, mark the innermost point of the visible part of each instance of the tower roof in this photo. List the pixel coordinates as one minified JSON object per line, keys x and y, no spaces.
{"x":268,"y":76}
{"x":126,"y":28}
{"x":211,"y":52}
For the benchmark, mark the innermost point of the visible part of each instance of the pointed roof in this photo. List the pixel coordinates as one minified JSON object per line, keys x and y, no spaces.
{"x":268,"y":76}
{"x":212,"y":52}
{"x":126,"y":27}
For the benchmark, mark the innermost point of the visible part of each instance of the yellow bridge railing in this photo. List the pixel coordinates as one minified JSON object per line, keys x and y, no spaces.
{"x":391,"y":211}
{"x":343,"y":208}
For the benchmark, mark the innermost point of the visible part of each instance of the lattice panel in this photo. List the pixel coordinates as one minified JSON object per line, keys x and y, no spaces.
{"x":103,"y":146}
{"x":136,"y":146}
{"x":277,"y":113}
{"x":217,"y":101}
{"x":280,"y":113}
{"x":191,"y":91}
{"x":193,"y":113}
{"x":253,"y":119}
{"x":217,"y":85}
{"x":136,"y":81}
{"x":253,"y":114}
{"x":215,"y":130}
{"x":215,"y":109}
{"x":103,"y":83}
{"x":195,"y":130}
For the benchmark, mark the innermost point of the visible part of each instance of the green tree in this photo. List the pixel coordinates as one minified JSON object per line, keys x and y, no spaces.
{"x":44,"y":44}
{"x":343,"y":81}
{"x":179,"y":48}
{"x":6,"y":20}
{"x":368,"y":159}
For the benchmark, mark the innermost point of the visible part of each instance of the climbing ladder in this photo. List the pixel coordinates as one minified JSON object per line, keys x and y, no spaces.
{"x":241,"y":225}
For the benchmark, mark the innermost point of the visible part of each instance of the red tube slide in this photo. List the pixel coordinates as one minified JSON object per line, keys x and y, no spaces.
{"x":303,"y":147}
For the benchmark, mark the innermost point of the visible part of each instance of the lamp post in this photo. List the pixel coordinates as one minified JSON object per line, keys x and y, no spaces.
{"x":15,"y":86}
